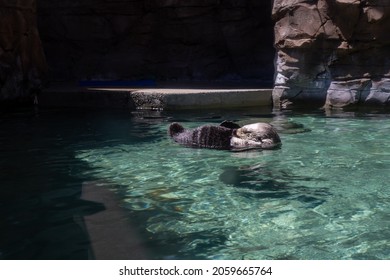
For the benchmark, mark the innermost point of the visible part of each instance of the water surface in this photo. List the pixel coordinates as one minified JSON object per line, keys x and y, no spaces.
{"x":323,"y":195}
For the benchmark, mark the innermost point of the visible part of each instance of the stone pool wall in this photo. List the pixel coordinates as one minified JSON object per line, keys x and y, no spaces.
{"x":332,"y":52}
{"x":22,"y":61}
{"x":329,"y":52}
{"x":163,"y":40}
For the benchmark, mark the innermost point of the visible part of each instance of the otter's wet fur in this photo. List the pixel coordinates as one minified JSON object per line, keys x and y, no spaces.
{"x":206,"y":136}
{"x":227,"y":136}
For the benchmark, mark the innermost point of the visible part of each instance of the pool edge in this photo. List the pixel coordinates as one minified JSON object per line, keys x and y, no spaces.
{"x":155,"y":98}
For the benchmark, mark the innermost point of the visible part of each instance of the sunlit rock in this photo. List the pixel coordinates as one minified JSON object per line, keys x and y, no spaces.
{"x":332,"y":53}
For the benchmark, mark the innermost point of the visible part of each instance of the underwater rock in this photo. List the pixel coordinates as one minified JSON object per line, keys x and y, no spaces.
{"x":262,"y":182}
{"x":289,"y":127}
{"x":227,"y":136}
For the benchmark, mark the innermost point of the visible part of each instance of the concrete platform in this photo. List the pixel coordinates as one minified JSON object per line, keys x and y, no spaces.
{"x":155,"y":98}
{"x":181,"y":99}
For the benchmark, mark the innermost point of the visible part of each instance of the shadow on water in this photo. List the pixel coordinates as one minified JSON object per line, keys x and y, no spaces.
{"x":261,"y":182}
{"x":42,"y":211}
{"x":50,"y":208}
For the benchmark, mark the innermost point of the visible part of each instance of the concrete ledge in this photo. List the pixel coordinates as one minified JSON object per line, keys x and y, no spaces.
{"x":154,"y":98}
{"x":181,"y":99}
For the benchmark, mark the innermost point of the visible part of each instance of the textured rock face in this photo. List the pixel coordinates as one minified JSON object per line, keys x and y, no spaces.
{"x":158,"y":39}
{"x":332,"y":52}
{"x":22,"y":62}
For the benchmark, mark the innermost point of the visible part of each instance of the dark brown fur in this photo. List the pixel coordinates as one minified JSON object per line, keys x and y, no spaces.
{"x":206,"y":136}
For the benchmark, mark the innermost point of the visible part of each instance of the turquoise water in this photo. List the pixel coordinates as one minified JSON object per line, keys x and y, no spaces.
{"x":323,"y":195}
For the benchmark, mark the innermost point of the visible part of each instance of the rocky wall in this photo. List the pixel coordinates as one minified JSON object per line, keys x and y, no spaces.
{"x":332,"y":52}
{"x":163,"y":40}
{"x":22,"y":62}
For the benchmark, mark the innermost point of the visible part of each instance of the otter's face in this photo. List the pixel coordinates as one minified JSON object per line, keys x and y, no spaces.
{"x":257,"y":135}
{"x":254,"y":132}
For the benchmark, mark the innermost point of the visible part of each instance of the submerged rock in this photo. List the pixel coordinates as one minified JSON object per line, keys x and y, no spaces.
{"x":289,"y":127}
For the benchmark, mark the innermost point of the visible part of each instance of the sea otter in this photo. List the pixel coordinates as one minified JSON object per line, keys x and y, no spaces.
{"x":227,"y":136}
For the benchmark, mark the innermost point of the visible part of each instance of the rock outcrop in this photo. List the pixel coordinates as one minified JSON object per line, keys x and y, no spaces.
{"x":22,"y":61}
{"x":164,"y":40}
{"x":329,"y":52}
{"x":332,"y":52}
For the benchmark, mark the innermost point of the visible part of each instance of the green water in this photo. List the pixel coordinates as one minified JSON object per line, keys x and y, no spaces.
{"x":323,"y":195}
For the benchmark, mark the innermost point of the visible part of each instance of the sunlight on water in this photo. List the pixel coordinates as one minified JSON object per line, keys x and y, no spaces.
{"x":323,"y":195}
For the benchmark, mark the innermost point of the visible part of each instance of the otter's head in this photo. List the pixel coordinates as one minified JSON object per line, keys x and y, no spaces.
{"x":256,"y":135}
